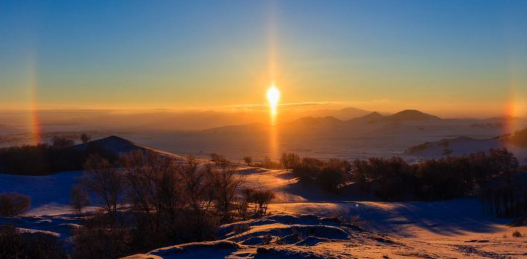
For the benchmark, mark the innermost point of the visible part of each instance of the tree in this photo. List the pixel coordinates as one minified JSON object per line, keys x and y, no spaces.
{"x":153,"y":185}
{"x":215,"y":157}
{"x":248,"y":160}
{"x":199,"y":197}
{"x":260,"y":199}
{"x":289,"y":161}
{"x":106,"y":182}
{"x":61,"y":142}
{"x":270,"y":164}
{"x":14,"y":244}
{"x":333,"y":174}
{"x":85,"y":138}
{"x":13,"y":204}
{"x":308,"y":170}
{"x":78,"y":199}
{"x":224,"y":183}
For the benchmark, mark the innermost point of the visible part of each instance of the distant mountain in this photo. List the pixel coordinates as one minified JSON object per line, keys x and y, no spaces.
{"x":411,"y":115}
{"x":342,"y":114}
{"x":369,"y":118}
{"x":402,"y":116}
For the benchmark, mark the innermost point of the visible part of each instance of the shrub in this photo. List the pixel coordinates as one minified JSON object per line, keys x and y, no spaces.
{"x":214,"y":157}
{"x":46,"y":159}
{"x":78,"y":199}
{"x":519,"y":138}
{"x":13,"y":204}
{"x":517,"y":234}
{"x":333,"y":173}
{"x":101,"y":242}
{"x":289,"y":160}
{"x":308,"y":170}
{"x":248,"y":160}
{"x":61,"y":142}
{"x":13,"y":244}
{"x":260,"y":199}
{"x":270,"y":164}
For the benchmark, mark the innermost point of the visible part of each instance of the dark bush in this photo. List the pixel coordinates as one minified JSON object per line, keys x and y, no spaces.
{"x":308,"y":170}
{"x":103,"y":242}
{"x":13,"y":204}
{"x":14,"y":245}
{"x":334,"y":173}
{"x":46,"y":159}
{"x":270,"y":164}
{"x":61,"y":142}
{"x":519,"y":138}
{"x":248,"y":160}
{"x":446,"y":178}
{"x":78,"y":199}
{"x":289,"y":160}
{"x":260,"y":199}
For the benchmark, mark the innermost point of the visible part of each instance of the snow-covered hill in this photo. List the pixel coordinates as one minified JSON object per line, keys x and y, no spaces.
{"x":452,"y":229}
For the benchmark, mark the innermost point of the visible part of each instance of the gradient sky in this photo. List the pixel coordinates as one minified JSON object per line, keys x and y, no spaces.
{"x":447,"y":57}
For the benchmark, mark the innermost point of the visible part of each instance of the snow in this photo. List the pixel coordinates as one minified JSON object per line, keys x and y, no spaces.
{"x":303,"y":224}
{"x":49,"y":194}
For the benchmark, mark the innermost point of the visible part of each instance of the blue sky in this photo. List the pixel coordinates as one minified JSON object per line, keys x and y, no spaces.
{"x":435,"y":55}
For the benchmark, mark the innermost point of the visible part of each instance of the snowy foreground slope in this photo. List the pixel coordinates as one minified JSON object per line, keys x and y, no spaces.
{"x":310,"y":236}
{"x":302,"y":224}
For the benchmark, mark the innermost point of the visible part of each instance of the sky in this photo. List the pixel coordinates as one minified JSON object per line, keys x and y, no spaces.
{"x":451,"y":58}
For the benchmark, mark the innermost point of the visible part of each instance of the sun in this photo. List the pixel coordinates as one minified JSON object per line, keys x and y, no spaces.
{"x":273,"y":96}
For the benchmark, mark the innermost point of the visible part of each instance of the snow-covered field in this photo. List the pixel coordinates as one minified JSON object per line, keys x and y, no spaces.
{"x":302,"y":224}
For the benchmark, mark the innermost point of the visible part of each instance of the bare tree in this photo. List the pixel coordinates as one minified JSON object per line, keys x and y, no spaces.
{"x":248,"y":160}
{"x":61,"y":142}
{"x":260,"y":199}
{"x":290,"y":160}
{"x":78,"y":199}
{"x":215,"y":157}
{"x":198,"y":196}
{"x":106,"y":182}
{"x":153,"y":186}
{"x":224,"y":183}
{"x":13,"y":204}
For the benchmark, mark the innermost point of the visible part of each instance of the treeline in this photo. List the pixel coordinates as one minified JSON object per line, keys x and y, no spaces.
{"x":44,"y":159}
{"x":519,"y":138}
{"x":148,"y":200}
{"x":491,"y":175}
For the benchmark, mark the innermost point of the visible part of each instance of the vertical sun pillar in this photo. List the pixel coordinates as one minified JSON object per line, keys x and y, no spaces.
{"x":273,"y":96}
{"x":34,"y":120}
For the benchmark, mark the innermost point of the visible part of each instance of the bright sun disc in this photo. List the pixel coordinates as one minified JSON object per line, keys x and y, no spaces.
{"x":273,"y":95}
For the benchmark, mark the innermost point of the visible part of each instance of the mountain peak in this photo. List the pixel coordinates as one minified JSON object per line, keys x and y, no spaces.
{"x":411,"y":115}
